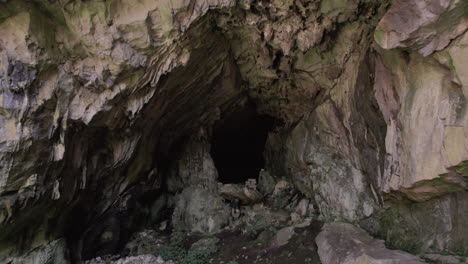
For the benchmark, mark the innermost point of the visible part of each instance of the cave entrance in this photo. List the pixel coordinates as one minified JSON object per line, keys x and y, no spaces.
{"x":238,"y":143}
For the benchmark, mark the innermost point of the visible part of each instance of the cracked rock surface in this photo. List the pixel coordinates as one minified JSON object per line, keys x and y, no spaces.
{"x":108,"y":111}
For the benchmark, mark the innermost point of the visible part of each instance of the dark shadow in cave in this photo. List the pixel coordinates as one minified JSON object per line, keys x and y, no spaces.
{"x":238,"y":143}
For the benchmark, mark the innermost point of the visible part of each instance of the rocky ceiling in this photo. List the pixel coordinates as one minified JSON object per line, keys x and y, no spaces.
{"x":101,"y":100}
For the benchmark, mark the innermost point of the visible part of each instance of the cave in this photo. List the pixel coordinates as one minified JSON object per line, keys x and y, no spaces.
{"x":238,"y":143}
{"x":128,"y":126}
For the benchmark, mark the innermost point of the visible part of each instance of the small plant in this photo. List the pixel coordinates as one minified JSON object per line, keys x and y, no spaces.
{"x":255,"y":225}
{"x":196,"y":257}
{"x":177,"y":237}
{"x":170,"y":252}
{"x":176,"y":252}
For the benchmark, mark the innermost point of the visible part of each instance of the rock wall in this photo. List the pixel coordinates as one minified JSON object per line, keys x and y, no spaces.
{"x":102,"y":104}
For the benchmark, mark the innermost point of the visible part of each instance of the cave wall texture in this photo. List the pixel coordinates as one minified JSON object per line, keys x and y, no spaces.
{"x":106,"y":107}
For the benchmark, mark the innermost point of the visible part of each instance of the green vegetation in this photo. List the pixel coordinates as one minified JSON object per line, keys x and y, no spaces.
{"x":396,"y":233}
{"x":378,"y":35}
{"x":256,"y":225}
{"x":176,"y":252}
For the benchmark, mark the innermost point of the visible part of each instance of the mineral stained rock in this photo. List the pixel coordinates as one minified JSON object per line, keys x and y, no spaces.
{"x":107,"y":111}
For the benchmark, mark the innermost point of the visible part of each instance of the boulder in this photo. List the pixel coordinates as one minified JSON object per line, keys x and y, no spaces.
{"x":283,"y":236}
{"x":343,"y":243}
{"x":200,"y":210}
{"x":242,"y":193}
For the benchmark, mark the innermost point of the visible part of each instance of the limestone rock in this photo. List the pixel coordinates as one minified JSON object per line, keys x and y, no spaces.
{"x":282,"y":237}
{"x":419,"y":88}
{"x":53,"y":252}
{"x":436,"y":225}
{"x":143,"y":243}
{"x":266,"y":182}
{"x":199,"y":210}
{"x":107,"y":105}
{"x":425,"y":26}
{"x":339,"y":189}
{"x":141,"y":259}
{"x":346,"y":244}
{"x":242,"y":193}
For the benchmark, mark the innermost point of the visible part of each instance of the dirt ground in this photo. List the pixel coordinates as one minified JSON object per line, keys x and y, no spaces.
{"x":235,"y":247}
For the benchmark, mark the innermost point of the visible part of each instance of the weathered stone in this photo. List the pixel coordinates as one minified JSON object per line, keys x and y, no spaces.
{"x":199,"y":210}
{"x":240,"y":192}
{"x":410,"y":101}
{"x":436,"y":225}
{"x":266,"y":182}
{"x":345,"y":243}
{"x":54,"y":252}
{"x":444,"y":259}
{"x":142,"y":259}
{"x":426,"y":26}
{"x":107,"y":106}
{"x":282,"y":237}
{"x":142,"y":243}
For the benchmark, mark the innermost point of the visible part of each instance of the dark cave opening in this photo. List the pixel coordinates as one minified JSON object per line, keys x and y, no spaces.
{"x":238,"y":143}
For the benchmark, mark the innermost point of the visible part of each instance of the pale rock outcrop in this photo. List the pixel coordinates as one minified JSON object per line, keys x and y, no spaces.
{"x":423,"y":101}
{"x":346,"y":244}
{"x":199,"y":210}
{"x":424,"y":25}
{"x":198,"y":207}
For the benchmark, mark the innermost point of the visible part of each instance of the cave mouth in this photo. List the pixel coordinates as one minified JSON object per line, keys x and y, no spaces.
{"x":238,"y":143}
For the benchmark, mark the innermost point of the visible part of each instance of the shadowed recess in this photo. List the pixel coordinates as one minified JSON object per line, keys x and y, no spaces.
{"x":238,"y":144}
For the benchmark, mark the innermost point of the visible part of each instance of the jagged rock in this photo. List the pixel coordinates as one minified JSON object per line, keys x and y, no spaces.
{"x":240,"y":192}
{"x":142,"y":243}
{"x":199,"y":210}
{"x":266,"y":182}
{"x":54,"y":252}
{"x":418,"y":88}
{"x":425,"y":26}
{"x":142,"y":259}
{"x":105,"y":100}
{"x":303,"y":208}
{"x":198,"y":207}
{"x":344,"y":243}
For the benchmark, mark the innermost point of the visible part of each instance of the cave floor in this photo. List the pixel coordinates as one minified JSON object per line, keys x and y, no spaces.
{"x":270,"y":244}
{"x":246,"y":249}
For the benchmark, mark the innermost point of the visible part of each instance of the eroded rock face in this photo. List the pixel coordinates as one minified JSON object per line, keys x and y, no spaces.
{"x":425,"y":26}
{"x":107,"y":110}
{"x":436,"y":225}
{"x":424,"y":105}
{"x":53,"y":252}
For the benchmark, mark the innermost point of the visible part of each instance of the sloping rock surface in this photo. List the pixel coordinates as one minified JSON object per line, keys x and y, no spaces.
{"x":342,"y":243}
